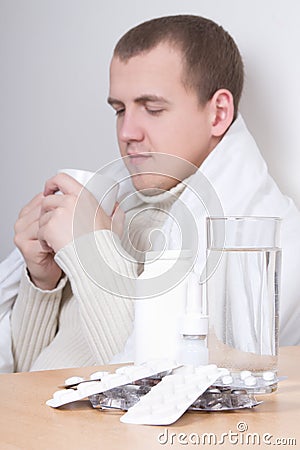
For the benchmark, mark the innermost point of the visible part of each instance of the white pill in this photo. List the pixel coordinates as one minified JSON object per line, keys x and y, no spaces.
{"x":114,"y":380}
{"x":156,"y":396}
{"x":245,"y":374}
{"x":98,"y":375}
{"x":224,"y":371}
{"x":57,"y":395}
{"x":169,"y":390}
{"x":85,"y":387}
{"x":191,"y":378}
{"x":161,"y":411}
{"x":268,"y":376}
{"x":73,"y":380}
{"x":60,"y":395}
{"x":250,"y":381}
{"x":227,"y":379}
{"x":211,"y":368}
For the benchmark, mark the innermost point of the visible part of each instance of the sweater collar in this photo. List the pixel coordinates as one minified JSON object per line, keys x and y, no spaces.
{"x":164,"y":197}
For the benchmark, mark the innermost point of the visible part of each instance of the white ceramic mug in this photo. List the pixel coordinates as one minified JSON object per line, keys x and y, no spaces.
{"x":104,"y":188}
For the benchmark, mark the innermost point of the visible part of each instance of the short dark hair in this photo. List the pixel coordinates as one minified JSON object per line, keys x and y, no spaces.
{"x":211,"y":58}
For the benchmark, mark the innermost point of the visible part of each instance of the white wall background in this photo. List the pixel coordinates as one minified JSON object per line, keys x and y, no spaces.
{"x":54,"y":57}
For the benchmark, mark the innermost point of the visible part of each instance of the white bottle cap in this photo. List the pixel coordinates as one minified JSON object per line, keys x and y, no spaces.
{"x":194,"y":324}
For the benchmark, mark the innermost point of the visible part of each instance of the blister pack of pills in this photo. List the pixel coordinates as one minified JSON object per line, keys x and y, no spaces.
{"x":105,"y":381}
{"x":263,"y":383}
{"x":160,"y":391}
{"x":224,"y":399}
{"x":169,"y":399}
{"x":213,"y":399}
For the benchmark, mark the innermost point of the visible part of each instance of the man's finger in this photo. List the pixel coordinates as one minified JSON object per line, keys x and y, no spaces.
{"x":27,"y":231}
{"x":63,"y":183}
{"x":33,"y":205}
{"x":51,"y":202}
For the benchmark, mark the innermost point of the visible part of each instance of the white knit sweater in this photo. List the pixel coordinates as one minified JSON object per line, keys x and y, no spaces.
{"x":78,"y":323}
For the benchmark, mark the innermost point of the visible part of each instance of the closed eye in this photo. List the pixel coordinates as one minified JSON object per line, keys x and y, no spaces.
{"x":154,"y":112}
{"x":118,"y":112}
{"x":118,"y":106}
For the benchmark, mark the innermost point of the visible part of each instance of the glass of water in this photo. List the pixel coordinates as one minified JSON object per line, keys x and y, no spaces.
{"x":242,"y":291}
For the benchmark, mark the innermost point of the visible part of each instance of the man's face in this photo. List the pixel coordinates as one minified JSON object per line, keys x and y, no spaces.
{"x":157,"y":116}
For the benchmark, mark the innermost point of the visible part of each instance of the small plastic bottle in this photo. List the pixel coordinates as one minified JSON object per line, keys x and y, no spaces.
{"x":194,"y":326}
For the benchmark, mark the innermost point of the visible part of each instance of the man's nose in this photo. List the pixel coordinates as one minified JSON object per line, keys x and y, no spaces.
{"x":130,"y":127}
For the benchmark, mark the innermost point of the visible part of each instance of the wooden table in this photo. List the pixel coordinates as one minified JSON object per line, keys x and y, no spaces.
{"x":27,"y":423}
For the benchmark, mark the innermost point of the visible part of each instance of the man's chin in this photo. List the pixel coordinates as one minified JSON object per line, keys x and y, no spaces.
{"x":150,"y":184}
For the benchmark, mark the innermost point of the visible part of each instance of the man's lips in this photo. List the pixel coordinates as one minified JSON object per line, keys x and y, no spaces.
{"x":137,"y":159}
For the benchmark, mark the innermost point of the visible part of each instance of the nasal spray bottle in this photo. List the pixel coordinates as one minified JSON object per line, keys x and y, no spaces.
{"x":194,"y":326}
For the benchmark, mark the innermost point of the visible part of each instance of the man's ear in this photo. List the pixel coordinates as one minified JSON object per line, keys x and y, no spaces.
{"x":222,"y":110}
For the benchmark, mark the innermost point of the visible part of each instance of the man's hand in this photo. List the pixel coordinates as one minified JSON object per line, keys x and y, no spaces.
{"x":43,"y":270}
{"x":68,"y":216}
{"x":49,"y":222}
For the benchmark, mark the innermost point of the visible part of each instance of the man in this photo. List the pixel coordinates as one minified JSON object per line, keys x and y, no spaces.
{"x":175,"y":85}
